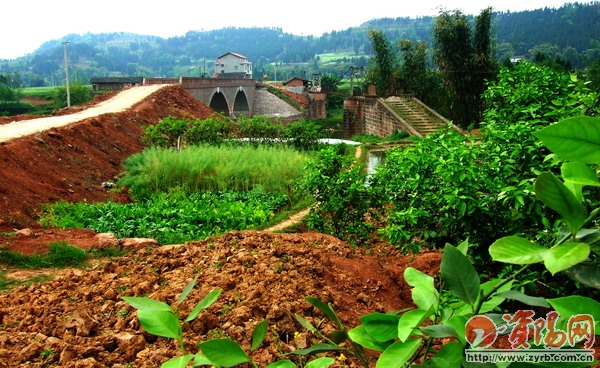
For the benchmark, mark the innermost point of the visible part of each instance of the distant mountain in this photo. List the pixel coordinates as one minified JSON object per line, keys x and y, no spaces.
{"x":571,"y":32}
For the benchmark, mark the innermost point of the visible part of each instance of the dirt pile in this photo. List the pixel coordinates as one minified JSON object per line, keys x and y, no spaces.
{"x":71,"y":163}
{"x":79,"y":319}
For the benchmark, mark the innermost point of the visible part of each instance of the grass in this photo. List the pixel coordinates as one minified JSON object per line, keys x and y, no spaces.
{"x":59,"y":255}
{"x":206,"y":168}
{"x":7,"y":283}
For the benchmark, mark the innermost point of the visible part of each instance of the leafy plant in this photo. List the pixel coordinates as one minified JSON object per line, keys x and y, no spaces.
{"x":576,"y":249}
{"x":158,"y":318}
{"x":343,"y":199}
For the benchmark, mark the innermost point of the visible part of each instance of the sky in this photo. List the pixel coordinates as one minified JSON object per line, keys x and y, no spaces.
{"x":26,"y":24}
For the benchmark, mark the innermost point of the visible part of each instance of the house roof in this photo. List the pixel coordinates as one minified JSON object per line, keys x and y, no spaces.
{"x":304,"y":81}
{"x":234,"y":54}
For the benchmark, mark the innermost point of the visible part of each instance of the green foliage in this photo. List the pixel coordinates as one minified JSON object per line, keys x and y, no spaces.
{"x":167,"y":133}
{"x":59,"y":255}
{"x":446,"y":187}
{"x":464,"y":57}
{"x":213,"y":131}
{"x":259,"y":129}
{"x":159,"y":319}
{"x":576,"y":249}
{"x":303,"y":135}
{"x":383,"y":69}
{"x":343,"y":199}
{"x":230,"y":168}
{"x":330,"y":83}
{"x":78,"y":93}
{"x":170,"y":218}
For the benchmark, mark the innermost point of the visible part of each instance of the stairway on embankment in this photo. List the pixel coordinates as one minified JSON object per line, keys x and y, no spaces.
{"x":423,"y":119}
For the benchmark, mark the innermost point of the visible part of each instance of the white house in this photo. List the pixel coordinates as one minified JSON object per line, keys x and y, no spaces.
{"x":232,"y":65}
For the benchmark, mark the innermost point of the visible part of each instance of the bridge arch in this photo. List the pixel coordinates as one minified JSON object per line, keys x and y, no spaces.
{"x":240,"y":104}
{"x":218,"y":102}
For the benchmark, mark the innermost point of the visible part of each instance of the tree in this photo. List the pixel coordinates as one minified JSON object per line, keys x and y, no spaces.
{"x":329,"y":83}
{"x":465,"y":61}
{"x":383,"y":71}
{"x":415,"y":74}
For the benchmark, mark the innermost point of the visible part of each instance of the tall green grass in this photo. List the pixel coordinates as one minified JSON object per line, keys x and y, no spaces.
{"x":206,"y":168}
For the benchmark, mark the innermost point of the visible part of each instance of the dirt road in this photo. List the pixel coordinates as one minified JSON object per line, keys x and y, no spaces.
{"x":124,"y":100}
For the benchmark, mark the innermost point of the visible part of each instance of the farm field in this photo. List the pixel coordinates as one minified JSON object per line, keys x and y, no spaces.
{"x":79,"y":319}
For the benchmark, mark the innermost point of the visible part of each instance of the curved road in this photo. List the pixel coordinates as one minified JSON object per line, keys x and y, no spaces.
{"x":121,"y":102}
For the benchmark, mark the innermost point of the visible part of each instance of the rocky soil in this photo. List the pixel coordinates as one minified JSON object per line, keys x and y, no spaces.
{"x":79,"y":320}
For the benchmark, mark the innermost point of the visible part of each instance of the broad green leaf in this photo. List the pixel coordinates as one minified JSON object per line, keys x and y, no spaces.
{"x":188,"y":289}
{"x":578,"y":173}
{"x":493,"y":302}
{"x":360,"y":336}
{"x":382,"y":327}
{"x":178,"y":362}
{"x":425,"y":298}
{"x":450,"y":355}
{"x":206,"y":302}
{"x":160,"y":322}
{"x":317,"y":348}
{"x":458,"y":323}
{"x":534,"y":301}
{"x":440,"y":331}
{"x":411,"y":321}
{"x":326,"y":309}
{"x":323,"y":362}
{"x":282,"y":364}
{"x":200,"y":359}
{"x":223,"y":352}
{"x":397,"y":354}
{"x":259,"y":333}
{"x":463,"y":247}
{"x":416,"y":278}
{"x":588,"y":236}
{"x":305,"y":323}
{"x":459,"y":274}
{"x":571,"y":305}
{"x":586,"y":273}
{"x":557,"y":196}
{"x":142,"y":302}
{"x":563,"y":256}
{"x":516,"y":250}
{"x":573,"y":139}
{"x":576,"y":189}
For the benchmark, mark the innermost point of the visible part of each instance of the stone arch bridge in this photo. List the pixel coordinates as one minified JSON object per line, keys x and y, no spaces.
{"x":232,"y":97}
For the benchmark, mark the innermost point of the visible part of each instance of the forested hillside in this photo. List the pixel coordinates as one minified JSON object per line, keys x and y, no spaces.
{"x":570,"y":33}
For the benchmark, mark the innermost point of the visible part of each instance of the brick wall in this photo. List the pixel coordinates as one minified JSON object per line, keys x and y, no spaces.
{"x":366,"y":115}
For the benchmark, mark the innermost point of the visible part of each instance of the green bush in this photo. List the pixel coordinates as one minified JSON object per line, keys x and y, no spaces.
{"x":343,"y":200}
{"x":214,"y":131}
{"x":447,"y":187}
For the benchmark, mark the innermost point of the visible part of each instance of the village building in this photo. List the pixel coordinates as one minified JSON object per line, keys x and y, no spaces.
{"x":233,"y":66}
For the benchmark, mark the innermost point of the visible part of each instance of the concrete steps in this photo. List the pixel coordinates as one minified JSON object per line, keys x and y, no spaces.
{"x":416,"y":115}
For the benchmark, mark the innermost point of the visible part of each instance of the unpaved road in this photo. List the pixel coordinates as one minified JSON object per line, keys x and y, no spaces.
{"x":123,"y":101}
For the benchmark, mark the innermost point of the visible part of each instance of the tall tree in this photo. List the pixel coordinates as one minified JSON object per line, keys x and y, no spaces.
{"x":465,"y":61}
{"x":383,"y":71}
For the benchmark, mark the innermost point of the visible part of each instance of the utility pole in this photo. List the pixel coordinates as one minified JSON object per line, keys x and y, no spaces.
{"x":67,"y":73}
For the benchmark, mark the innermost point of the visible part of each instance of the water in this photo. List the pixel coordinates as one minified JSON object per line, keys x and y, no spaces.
{"x":374,"y":158}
